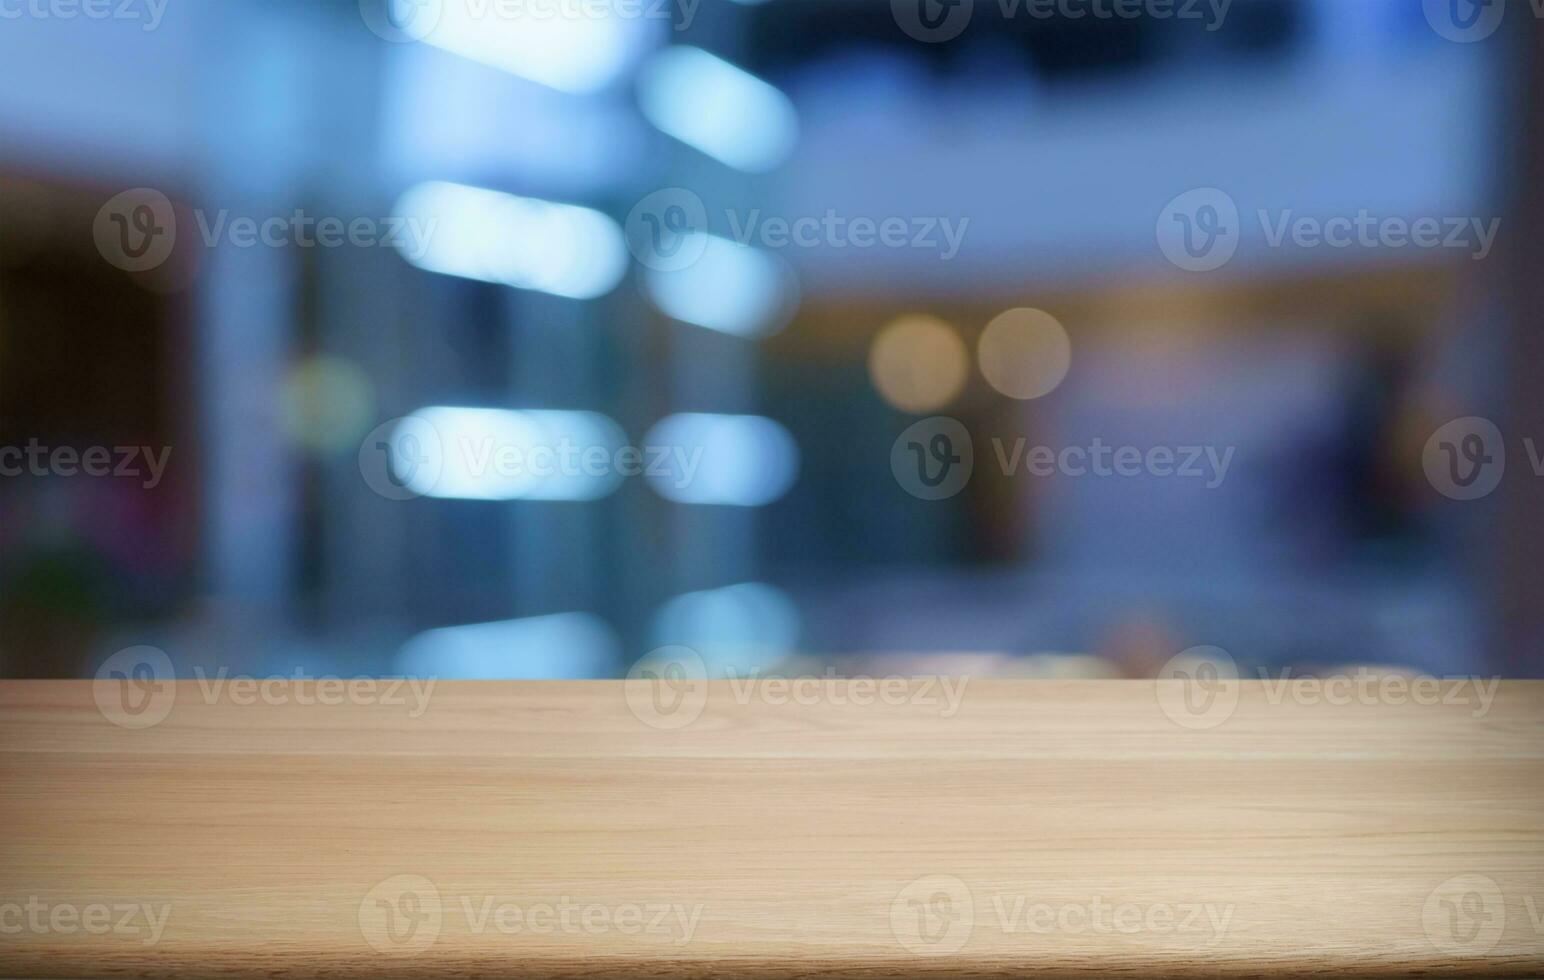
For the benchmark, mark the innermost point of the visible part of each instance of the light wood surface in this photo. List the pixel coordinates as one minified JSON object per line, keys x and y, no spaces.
{"x":556,"y":829}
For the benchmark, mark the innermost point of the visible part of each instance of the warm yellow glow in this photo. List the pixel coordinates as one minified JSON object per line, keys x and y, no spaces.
{"x":918,"y":363}
{"x":1025,"y":353}
{"x":326,"y":403}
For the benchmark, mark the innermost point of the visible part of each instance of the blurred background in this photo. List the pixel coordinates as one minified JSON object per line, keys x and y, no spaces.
{"x":517,"y":338}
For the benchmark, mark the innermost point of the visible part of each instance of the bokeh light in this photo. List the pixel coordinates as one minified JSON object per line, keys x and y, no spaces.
{"x":326,"y":403}
{"x":733,"y":460}
{"x":918,"y":363}
{"x":731,"y":288}
{"x":735,"y":629}
{"x":485,"y":235}
{"x":724,"y":111}
{"x":1025,"y":353}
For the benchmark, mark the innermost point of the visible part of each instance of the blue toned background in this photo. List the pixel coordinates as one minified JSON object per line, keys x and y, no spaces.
{"x":757,"y":243}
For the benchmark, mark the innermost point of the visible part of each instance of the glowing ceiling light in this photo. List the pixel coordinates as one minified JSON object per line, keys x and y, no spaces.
{"x":517,"y":241}
{"x":736,"y":460}
{"x":731,"y":288}
{"x":497,"y":454}
{"x":546,"y":41}
{"x":738,"y":628}
{"x":570,"y":646}
{"x":724,"y":111}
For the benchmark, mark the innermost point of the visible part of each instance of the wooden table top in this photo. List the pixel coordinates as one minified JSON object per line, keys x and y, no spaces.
{"x":985,"y":828}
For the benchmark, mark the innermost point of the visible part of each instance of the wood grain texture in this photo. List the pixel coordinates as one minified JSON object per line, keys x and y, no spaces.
{"x":546,"y":830}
